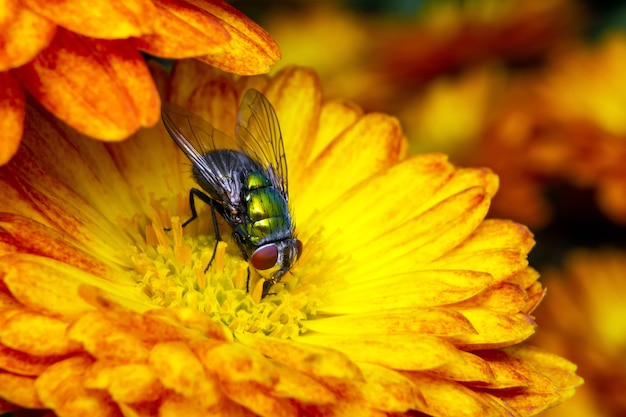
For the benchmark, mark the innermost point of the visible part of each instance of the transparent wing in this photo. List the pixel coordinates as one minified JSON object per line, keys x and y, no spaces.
{"x":257,"y":134}
{"x":197,"y":138}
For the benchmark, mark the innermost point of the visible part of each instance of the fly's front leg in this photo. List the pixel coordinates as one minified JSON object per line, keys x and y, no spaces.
{"x":242,"y":248}
{"x":193,"y":193}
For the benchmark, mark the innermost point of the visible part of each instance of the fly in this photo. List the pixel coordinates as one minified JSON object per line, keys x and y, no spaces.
{"x":244,"y":180}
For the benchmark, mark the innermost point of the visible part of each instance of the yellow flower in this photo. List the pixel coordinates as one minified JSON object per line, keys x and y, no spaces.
{"x":584,"y":319}
{"x":404,"y":298}
{"x":82,"y":59}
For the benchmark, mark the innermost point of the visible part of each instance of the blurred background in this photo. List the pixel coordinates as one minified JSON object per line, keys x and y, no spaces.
{"x":533,"y":89}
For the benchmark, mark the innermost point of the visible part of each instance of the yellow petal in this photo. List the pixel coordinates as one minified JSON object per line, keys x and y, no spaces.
{"x":495,"y":329}
{"x":117,"y":94}
{"x":418,"y":177}
{"x":388,"y":390}
{"x":335,"y":117}
{"x":415,"y":289}
{"x":12,"y":110}
{"x":250,"y":50}
{"x":61,"y":388}
{"x":296,"y":385}
{"x":437,"y":322}
{"x":468,"y":368}
{"x":25,"y":35}
{"x":318,"y":362}
{"x":131,"y":383}
{"x":179,"y":370}
{"x":35,"y":334}
{"x":449,"y":398}
{"x":295,"y":94}
{"x":339,"y":167}
{"x":104,"y":19}
{"x":392,"y":351}
{"x":19,"y":390}
{"x":182,"y":30}
{"x":44,"y":285}
{"x":421,"y":242}
{"x":501,"y":297}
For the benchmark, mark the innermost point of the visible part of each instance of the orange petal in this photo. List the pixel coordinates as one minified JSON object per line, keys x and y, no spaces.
{"x":19,"y":390}
{"x":179,"y":370}
{"x":61,"y":388}
{"x":132,"y":383}
{"x":103,"y":19}
{"x":25,"y":35}
{"x":101,"y":88}
{"x":250,"y":50}
{"x":469,"y":368}
{"x":12,"y":109}
{"x":24,"y":364}
{"x":258,"y":401}
{"x":36,"y":335}
{"x":183,"y":31}
{"x":35,"y":238}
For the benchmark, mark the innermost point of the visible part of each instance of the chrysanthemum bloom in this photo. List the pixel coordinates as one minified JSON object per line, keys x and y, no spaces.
{"x":584,"y":319}
{"x":82,"y":59}
{"x":403,"y":299}
{"x":564,"y":125}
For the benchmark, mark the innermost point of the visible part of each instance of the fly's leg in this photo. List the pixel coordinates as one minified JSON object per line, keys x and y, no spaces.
{"x":193,"y":193}
{"x":242,"y":248}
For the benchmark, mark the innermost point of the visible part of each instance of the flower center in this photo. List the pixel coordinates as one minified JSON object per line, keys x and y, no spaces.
{"x":171,"y":268}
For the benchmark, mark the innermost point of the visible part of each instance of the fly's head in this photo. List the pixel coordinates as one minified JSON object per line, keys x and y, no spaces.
{"x":274,"y":259}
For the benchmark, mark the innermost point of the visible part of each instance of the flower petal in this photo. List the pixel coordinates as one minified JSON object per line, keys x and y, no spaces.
{"x":392,"y":351}
{"x":436,"y":322}
{"x":127,"y":383}
{"x":102,"y":88}
{"x":12,"y":110}
{"x":61,"y":388}
{"x":22,"y":363}
{"x":335,"y":117}
{"x":36,"y":334}
{"x":103,"y":19}
{"x":494,"y":329}
{"x":250,"y":50}
{"x":339,"y":167}
{"x":388,"y":390}
{"x":19,"y":390}
{"x":25,"y":35}
{"x":182,"y":30}
{"x":410,"y":290}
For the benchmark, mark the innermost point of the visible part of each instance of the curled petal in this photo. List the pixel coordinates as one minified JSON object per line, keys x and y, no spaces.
{"x":250,"y":50}
{"x":61,"y":388}
{"x":102,"y":19}
{"x":19,"y":390}
{"x":25,"y":35}
{"x":12,"y":110}
{"x":102,"y":88}
{"x":183,"y":31}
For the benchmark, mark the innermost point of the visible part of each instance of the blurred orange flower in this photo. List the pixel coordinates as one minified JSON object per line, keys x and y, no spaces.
{"x":584,"y":319}
{"x":82,"y":59}
{"x":405,"y":298}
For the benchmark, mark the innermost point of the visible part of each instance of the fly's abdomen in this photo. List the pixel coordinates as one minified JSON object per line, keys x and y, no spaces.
{"x":267,"y":210}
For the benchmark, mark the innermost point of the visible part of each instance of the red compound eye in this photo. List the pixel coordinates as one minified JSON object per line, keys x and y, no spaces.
{"x":265,"y":257}
{"x":300,"y":248}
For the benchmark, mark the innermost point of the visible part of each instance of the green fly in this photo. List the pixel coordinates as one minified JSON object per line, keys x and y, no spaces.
{"x":244,"y":180}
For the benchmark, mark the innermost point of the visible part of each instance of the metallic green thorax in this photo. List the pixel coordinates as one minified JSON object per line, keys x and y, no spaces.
{"x":267,"y":210}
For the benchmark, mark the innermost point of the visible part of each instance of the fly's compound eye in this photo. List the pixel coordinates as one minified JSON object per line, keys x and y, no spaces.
{"x":300,"y":248}
{"x":265,"y":257}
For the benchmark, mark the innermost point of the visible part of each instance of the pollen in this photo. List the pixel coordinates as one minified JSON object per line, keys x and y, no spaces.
{"x":173,"y":270}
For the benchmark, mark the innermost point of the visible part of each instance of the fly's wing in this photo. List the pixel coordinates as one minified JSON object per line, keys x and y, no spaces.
{"x":257,"y":134}
{"x":197,"y":138}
